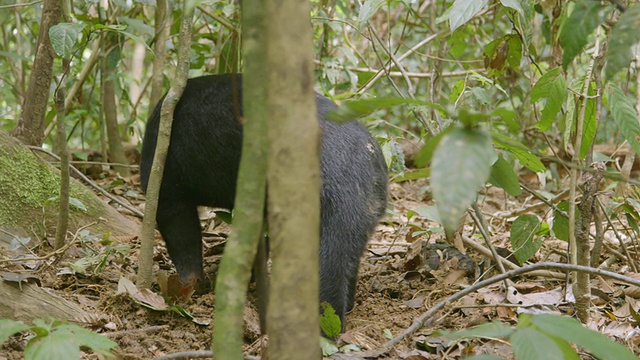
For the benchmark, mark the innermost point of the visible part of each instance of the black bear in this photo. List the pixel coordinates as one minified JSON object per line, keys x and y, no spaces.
{"x":202,"y":168}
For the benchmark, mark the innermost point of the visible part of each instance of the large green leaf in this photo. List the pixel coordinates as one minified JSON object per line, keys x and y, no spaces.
{"x":425,"y":154}
{"x":625,"y":116}
{"x":503,"y":176}
{"x":87,"y":338}
{"x":63,"y":37}
{"x":583,"y":20}
{"x":526,"y":158}
{"x":330,"y":322}
{"x":55,"y":346}
{"x":9,"y":327}
{"x":623,"y":37}
{"x":569,"y":329}
{"x":590,"y":123}
{"x":460,"y":167}
{"x":514,"y":4}
{"x":557,"y":91}
{"x":552,"y":87}
{"x":503,"y":51}
{"x":530,"y":344}
{"x":560,"y":225}
{"x":351,"y":109}
{"x":523,"y":237}
{"x":463,"y":10}
{"x":368,"y":9}
{"x":542,"y":87}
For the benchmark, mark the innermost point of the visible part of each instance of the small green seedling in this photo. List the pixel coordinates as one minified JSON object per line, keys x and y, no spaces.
{"x":56,"y":339}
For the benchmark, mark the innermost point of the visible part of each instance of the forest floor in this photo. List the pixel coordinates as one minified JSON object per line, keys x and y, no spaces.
{"x":408,"y":268}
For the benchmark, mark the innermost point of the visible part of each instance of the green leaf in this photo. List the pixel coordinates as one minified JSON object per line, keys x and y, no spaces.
{"x":424,"y":156}
{"x":41,"y":327}
{"x":330,"y":322}
{"x":76,"y":203}
{"x":9,"y":327}
{"x":456,"y":91}
{"x":514,"y":56}
{"x":393,"y":155}
{"x":526,"y":158}
{"x":63,"y":37}
{"x":86,"y":338}
{"x":503,"y":176}
{"x":328,"y":347}
{"x":463,"y":10}
{"x":561,"y":223}
{"x":625,"y":116}
{"x":471,"y":118}
{"x":624,"y":36}
{"x":428,"y":212}
{"x":523,"y":237}
{"x":413,"y":175}
{"x":590,"y":124}
{"x":569,"y":329}
{"x":542,"y":87}
{"x":557,"y":91}
{"x":530,"y":344}
{"x":486,"y":330}
{"x":368,"y":9}
{"x":509,"y":118}
{"x":55,"y":346}
{"x":459,"y":168}
{"x":120,"y":29}
{"x":351,"y":109}
{"x":514,"y":4}
{"x":225,"y":216}
{"x":583,"y":20}
{"x":552,"y":87}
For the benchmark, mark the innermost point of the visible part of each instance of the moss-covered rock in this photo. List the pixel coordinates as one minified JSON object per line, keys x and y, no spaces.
{"x":27,"y":184}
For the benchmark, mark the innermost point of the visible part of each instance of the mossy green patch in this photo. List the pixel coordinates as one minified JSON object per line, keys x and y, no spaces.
{"x":26,"y":183}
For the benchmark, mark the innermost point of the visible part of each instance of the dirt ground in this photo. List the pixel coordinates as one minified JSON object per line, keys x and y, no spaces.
{"x":408,"y":268}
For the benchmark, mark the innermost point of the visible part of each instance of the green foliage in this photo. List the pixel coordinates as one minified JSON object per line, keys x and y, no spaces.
{"x":330,"y":322}
{"x":551,"y":87}
{"x":463,"y":10}
{"x":328,"y":347}
{"x":584,"y":19}
{"x":368,"y":9}
{"x":544,"y":337}
{"x":73,"y":202}
{"x":521,"y":152}
{"x":590,"y":124}
{"x":625,"y":116}
{"x":63,"y":37}
{"x":393,"y":154}
{"x":560,"y":225}
{"x":331,"y":325}
{"x":464,"y":155}
{"x":503,"y":176}
{"x":56,"y":340}
{"x":503,"y":51}
{"x":525,"y":236}
{"x":623,"y":37}
{"x":353,"y":109}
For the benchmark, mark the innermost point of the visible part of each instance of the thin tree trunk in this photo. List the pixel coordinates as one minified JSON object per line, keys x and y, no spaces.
{"x":239,"y":253}
{"x":110,"y":109}
{"x":162,"y":33}
{"x":30,"y":129}
{"x":293,"y":180}
{"x":145,"y":259}
{"x":63,"y":212}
